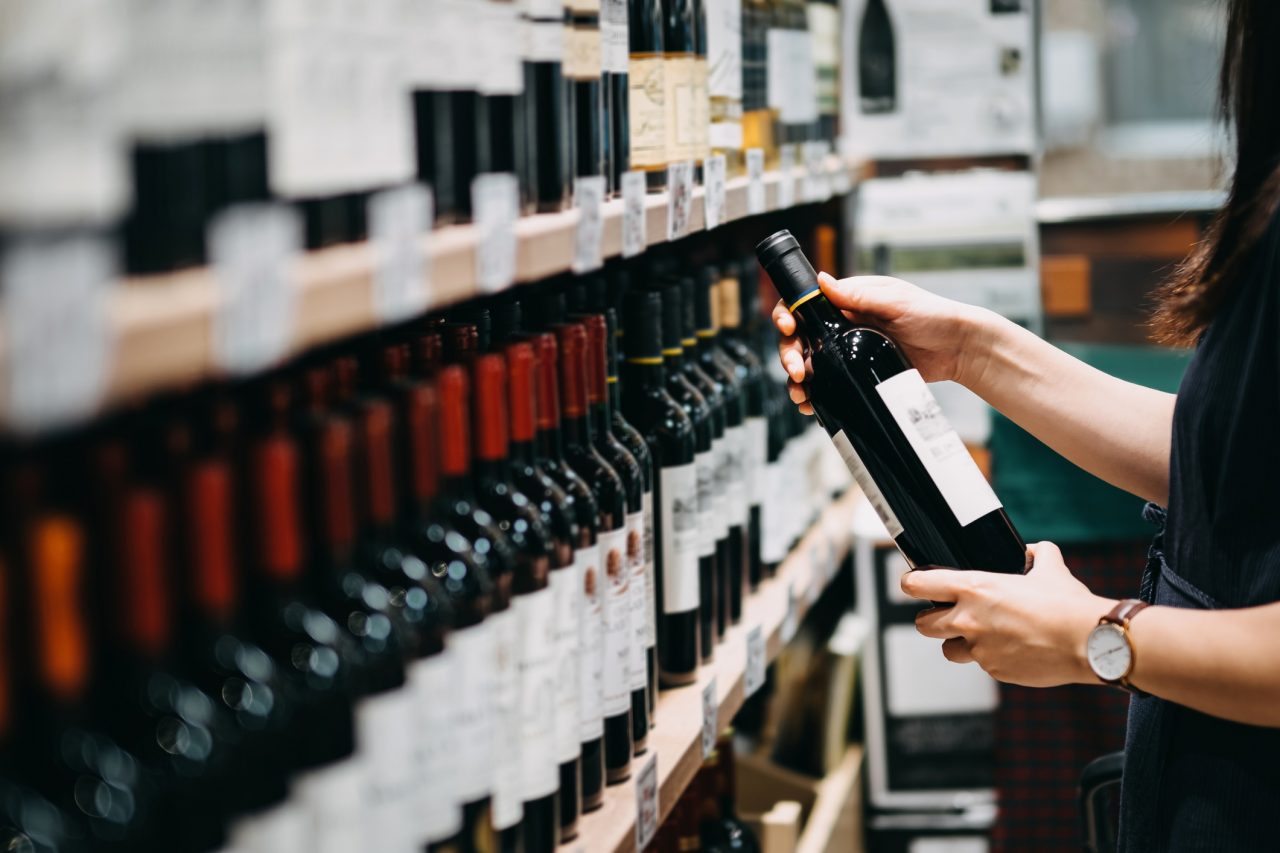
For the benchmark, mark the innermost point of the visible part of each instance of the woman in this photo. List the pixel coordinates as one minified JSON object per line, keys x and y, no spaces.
{"x":1202,"y":757}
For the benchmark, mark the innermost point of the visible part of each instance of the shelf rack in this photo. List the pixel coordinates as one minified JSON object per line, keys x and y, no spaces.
{"x":677,"y":738}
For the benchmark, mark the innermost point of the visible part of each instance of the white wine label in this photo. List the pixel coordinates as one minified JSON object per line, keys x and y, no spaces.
{"x":474,"y":698}
{"x":286,"y":826}
{"x":386,"y":735}
{"x":588,"y":198}
{"x":710,"y":717}
{"x":565,"y":585}
{"x":535,"y":613}
{"x":333,"y":797}
{"x":650,"y":578}
{"x":679,"y":101}
{"x":737,"y":440}
{"x":398,"y":220}
{"x":613,"y":36}
{"x":543,"y":41}
{"x":938,"y":446}
{"x":544,"y":8}
{"x":757,"y":460}
{"x":720,"y":501}
{"x":439,"y":813}
{"x":591,"y":646}
{"x":495,"y":199}
{"x":773,"y":522}
{"x":701,"y":126}
{"x":862,"y":477}
{"x":503,"y":73}
{"x":616,"y":697}
{"x":637,"y":600}
{"x":754,"y":675}
{"x":713,"y":171}
{"x":724,"y":48}
{"x":792,"y":80}
{"x":506,"y":767}
{"x":756,"y":202}
{"x":678,"y":520}
{"x":634,"y":231}
{"x":582,"y":59}
{"x":647,"y":107}
{"x":708,"y":528}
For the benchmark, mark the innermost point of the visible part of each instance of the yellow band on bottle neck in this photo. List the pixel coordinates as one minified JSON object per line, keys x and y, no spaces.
{"x":817,"y":291}
{"x":706,"y":333}
{"x":641,"y":359}
{"x":673,"y":351}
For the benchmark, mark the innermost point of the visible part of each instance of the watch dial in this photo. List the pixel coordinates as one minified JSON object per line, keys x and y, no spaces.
{"x":1108,"y":652}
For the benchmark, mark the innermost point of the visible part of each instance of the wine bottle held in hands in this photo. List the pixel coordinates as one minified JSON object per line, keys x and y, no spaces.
{"x":909,"y":462}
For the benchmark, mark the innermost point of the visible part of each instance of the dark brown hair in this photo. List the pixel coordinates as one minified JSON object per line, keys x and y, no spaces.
{"x":1249,"y":91}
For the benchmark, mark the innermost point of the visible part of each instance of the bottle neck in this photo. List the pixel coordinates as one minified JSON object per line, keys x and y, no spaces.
{"x":818,"y":317}
{"x":550,"y":443}
{"x":673,"y":358}
{"x":460,"y":485}
{"x":522,"y":453}
{"x":602,"y":418}
{"x":615,"y":392}
{"x":644,"y":373}
{"x":491,"y":470}
{"x":577,"y":430}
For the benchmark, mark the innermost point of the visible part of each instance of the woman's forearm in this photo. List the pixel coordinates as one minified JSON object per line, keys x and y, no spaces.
{"x":1113,"y":429}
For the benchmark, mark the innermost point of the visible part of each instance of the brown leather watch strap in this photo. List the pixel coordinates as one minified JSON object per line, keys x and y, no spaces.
{"x":1124,"y":611}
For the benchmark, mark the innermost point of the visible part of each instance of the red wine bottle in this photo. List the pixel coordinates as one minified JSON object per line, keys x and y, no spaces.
{"x":910,"y":463}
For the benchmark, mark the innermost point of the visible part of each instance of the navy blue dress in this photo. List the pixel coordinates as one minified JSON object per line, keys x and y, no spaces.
{"x":1191,"y":781}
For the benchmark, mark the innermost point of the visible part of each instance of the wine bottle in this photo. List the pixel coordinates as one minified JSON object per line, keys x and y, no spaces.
{"x":877,"y":61}
{"x":699,"y":148}
{"x":824,"y":29}
{"x":501,"y":88}
{"x":646,"y":91}
{"x":626,"y":466}
{"x":913,"y":468}
{"x":608,"y":670}
{"x":550,"y":456}
{"x":669,"y":432}
{"x":614,"y":49}
{"x":583,"y":70}
{"x":757,"y":118}
{"x":547,"y":118}
{"x":721,"y":827}
{"x":679,"y":45}
{"x":724,"y":37}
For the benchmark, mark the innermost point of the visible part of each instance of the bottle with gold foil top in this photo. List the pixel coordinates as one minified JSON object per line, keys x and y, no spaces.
{"x":722,"y":25}
{"x":647,"y":91}
{"x":679,"y":35}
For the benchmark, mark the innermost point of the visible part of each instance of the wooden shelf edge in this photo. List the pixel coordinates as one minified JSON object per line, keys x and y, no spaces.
{"x":830,"y":809}
{"x":677,"y":737}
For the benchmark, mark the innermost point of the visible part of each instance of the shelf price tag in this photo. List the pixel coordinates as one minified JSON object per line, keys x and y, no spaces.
{"x":787,"y":169}
{"x":647,"y":802}
{"x":753,"y":678}
{"x":679,"y":198}
{"x":816,"y":186}
{"x":56,"y":325}
{"x":755,"y":181}
{"x":252,"y":248}
{"x":398,"y":220}
{"x":588,"y":198}
{"x":495,"y":205}
{"x":791,"y":620}
{"x":634,"y":235}
{"x":817,"y":573}
{"x":710,"y":717}
{"x":841,"y":182}
{"x":713,"y":172}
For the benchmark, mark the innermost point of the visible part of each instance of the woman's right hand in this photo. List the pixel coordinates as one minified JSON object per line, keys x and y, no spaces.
{"x":940,"y":337}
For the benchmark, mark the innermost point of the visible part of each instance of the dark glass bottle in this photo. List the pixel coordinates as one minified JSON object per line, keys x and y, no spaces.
{"x":609,"y":582}
{"x":547,"y":118}
{"x":721,"y":826}
{"x":502,"y":91}
{"x":877,"y":61}
{"x":678,"y":50}
{"x":669,"y":433}
{"x":549,"y":452}
{"x":614,"y":49}
{"x":584,"y":73}
{"x":625,"y":465}
{"x":647,"y":91}
{"x":895,"y":439}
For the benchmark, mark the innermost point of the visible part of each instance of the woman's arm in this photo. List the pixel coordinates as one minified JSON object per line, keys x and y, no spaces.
{"x":1031,"y":629}
{"x":1113,"y":429}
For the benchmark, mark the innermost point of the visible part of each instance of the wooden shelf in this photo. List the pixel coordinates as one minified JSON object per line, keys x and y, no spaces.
{"x":677,"y":737}
{"x":161,"y":327}
{"x":835,"y":822}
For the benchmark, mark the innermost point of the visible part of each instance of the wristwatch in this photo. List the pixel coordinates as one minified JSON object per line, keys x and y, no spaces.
{"x":1109,"y":648}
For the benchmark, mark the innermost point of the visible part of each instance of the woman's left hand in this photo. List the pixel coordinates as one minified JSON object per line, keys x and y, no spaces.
{"x":1023,"y":629}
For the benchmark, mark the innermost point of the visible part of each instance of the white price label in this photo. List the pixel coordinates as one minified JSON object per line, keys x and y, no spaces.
{"x":791,"y":620}
{"x":753,"y":678}
{"x":787,"y":175}
{"x":755,"y":181}
{"x":634,"y":235}
{"x":398,"y":219}
{"x":817,"y":573}
{"x":816,"y":187}
{"x":251,"y":250}
{"x":710,"y":717}
{"x":56,"y":325}
{"x":647,"y":802}
{"x":841,"y":181}
{"x":588,"y":198}
{"x":713,"y":170}
{"x":495,"y":205}
{"x":679,"y":198}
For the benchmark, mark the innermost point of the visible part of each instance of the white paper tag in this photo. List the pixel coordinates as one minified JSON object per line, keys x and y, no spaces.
{"x":753,"y":678}
{"x":713,"y":170}
{"x":251,"y":251}
{"x":398,"y":219}
{"x":634,"y":236}
{"x":56,"y":324}
{"x":495,"y":204}
{"x":710,"y":717}
{"x":791,"y":620}
{"x":841,"y":180}
{"x":816,"y":187}
{"x":647,"y":802}
{"x":817,"y":573}
{"x":755,"y":181}
{"x":787,"y":175}
{"x":588,"y":198}
{"x":679,"y":198}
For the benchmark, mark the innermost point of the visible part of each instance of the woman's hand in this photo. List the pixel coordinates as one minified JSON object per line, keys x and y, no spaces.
{"x":940,"y":337}
{"x":1023,"y":629}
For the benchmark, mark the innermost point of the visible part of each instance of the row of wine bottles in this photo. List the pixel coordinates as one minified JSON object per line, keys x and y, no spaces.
{"x":420,"y":590}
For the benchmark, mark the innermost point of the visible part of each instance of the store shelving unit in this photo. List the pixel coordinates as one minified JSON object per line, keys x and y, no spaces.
{"x":835,"y":822}
{"x":677,"y":738}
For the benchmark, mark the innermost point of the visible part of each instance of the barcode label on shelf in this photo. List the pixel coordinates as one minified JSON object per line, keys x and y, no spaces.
{"x":713,"y":170}
{"x":710,"y":717}
{"x":398,"y":220}
{"x":56,"y":324}
{"x":647,"y":802}
{"x":679,"y":198}
{"x":634,"y":236}
{"x":787,"y":176}
{"x":588,"y":198}
{"x":791,"y":620}
{"x":755,"y":181}
{"x":251,"y":251}
{"x":495,"y":202}
{"x":753,"y":678}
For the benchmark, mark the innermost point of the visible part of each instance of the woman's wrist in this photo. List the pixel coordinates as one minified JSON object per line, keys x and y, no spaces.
{"x":982,"y":338}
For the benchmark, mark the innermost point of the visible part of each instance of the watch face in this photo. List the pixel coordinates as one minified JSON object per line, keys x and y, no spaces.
{"x":1108,"y":652}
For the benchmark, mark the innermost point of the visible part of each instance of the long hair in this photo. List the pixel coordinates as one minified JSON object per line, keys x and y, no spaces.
{"x":1249,"y":101}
